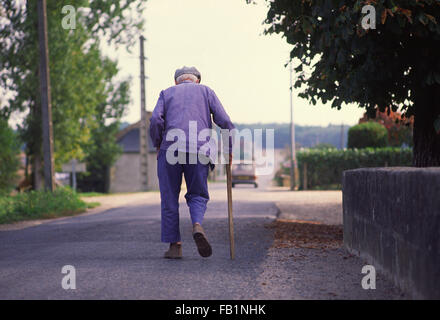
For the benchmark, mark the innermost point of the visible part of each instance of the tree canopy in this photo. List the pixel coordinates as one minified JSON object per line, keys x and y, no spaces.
{"x":9,"y":160}
{"x":85,"y":96}
{"x":395,"y":65}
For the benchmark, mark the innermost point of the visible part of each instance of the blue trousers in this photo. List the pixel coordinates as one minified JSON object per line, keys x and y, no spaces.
{"x":170,"y":180}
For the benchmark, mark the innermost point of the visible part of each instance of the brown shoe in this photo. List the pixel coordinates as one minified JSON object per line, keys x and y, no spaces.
{"x":202,"y":243}
{"x":174,"y":252}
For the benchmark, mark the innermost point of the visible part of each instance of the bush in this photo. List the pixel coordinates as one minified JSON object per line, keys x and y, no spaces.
{"x":325,"y":166}
{"x":40,"y":205}
{"x":323,"y":145}
{"x":399,"y":128}
{"x":367,"y":135}
{"x":9,"y":161}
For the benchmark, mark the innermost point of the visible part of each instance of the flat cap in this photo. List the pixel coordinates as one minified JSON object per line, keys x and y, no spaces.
{"x":187,"y":70}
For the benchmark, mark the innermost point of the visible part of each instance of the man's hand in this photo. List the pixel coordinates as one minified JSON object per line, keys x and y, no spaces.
{"x":157,"y":152}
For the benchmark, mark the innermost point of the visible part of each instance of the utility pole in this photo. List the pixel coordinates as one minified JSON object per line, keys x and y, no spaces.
{"x":342,"y":136}
{"x":294,"y":178}
{"x":143,"y":128}
{"x":46,"y":107}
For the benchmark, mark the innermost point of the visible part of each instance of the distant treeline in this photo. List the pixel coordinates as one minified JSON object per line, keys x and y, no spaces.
{"x":305,"y":136}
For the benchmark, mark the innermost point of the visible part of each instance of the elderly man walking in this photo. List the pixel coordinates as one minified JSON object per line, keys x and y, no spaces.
{"x":180,"y":107}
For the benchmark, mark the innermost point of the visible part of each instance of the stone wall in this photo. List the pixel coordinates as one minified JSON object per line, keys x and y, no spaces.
{"x":392,"y":219}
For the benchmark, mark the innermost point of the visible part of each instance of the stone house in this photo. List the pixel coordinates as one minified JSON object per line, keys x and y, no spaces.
{"x":125,"y":175}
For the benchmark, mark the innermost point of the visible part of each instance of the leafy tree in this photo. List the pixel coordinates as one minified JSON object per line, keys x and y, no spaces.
{"x":9,"y":161}
{"x":78,"y":78}
{"x":367,"y":134}
{"x":102,"y":149}
{"x":395,"y":65}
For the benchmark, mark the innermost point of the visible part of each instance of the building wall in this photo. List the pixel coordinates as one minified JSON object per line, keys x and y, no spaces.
{"x":125,"y":174}
{"x":153,"y":181}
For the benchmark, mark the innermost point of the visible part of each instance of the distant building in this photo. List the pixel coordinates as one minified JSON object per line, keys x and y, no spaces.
{"x":125,"y":175}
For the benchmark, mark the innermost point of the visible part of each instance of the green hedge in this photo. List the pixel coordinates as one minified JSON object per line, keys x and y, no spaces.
{"x":325,"y":166}
{"x":368,"y":134}
{"x":40,"y":205}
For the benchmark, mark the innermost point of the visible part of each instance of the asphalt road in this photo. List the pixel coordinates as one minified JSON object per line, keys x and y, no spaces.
{"x":117,"y":254}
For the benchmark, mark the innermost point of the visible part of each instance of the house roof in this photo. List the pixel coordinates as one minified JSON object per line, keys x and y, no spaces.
{"x":129,"y":139}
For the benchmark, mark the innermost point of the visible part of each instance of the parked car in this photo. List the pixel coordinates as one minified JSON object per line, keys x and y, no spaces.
{"x":244,"y":173}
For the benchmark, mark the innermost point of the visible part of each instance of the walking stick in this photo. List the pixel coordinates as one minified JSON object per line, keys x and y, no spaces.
{"x":231,"y":222}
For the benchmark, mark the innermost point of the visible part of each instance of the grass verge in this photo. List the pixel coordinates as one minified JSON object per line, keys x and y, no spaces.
{"x":41,"y":205}
{"x":91,"y":194}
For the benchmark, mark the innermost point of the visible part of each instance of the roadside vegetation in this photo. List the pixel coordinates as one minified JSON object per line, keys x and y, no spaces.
{"x":9,"y":158}
{"x":382,"y":141}
{"x":41,"y":205}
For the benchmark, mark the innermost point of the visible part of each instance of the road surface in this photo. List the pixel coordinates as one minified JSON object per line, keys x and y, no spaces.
{"x":117,"y":254}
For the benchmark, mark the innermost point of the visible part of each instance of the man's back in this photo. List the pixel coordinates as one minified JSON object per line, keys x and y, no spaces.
{"x":187,"y":102}
{"x":186,"y":108}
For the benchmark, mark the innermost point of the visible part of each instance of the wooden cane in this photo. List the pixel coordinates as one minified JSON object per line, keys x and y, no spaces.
{"x":231,"y":221}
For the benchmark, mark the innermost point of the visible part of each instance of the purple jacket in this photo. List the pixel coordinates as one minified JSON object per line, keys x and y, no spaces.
{"x":182,"y":103}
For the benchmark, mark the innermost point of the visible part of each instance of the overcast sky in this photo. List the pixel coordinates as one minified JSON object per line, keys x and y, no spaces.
{"x":224,"y":40}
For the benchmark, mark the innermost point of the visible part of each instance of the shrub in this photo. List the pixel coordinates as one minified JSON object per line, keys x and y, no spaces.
{"x":323,"y":145}
{"x":325,"y":166}
{"x":399,"y":127}
{"x":9,"y":161}
{"x":367,"y":135}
